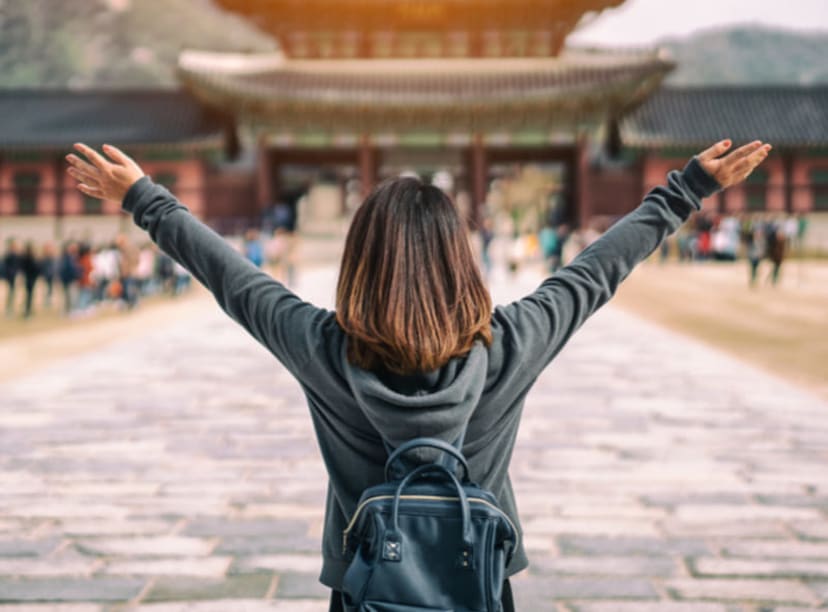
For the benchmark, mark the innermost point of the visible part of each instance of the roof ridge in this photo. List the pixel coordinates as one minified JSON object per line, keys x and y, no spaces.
{"x":752,"y":87}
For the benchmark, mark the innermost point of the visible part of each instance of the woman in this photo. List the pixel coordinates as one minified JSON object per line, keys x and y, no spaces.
{"x":414,"y":348}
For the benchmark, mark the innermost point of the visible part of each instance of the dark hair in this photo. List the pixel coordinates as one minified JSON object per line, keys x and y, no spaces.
{"x":410,"y":295}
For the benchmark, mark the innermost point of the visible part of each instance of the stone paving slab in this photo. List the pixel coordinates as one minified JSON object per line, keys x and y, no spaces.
{"x":179,"y":471}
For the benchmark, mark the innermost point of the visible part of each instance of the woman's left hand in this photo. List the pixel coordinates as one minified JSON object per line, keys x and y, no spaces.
{"x":104,"y":179}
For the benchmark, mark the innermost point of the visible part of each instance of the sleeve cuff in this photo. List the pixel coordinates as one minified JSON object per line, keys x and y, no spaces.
{"x":699,"y":180}
{"x":134,"y":193}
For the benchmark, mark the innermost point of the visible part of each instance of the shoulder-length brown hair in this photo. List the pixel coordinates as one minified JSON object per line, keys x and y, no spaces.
{"x":410,"y":295}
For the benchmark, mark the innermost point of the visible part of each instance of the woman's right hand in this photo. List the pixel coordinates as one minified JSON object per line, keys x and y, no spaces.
{"x":737,"y":165}
{"x":103,"y":178}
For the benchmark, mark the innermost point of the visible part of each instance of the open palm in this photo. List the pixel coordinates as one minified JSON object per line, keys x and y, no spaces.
{"x":106,"y":179}
{"x":737,"y":165}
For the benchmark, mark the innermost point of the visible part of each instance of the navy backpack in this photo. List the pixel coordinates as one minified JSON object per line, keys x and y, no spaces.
{"x":427,"y":540}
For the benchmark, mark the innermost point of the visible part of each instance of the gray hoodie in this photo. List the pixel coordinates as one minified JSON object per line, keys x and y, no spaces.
{"x":354,"y":410}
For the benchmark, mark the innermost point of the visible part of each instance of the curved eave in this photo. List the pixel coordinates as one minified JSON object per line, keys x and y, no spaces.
{"x":461,"y":95}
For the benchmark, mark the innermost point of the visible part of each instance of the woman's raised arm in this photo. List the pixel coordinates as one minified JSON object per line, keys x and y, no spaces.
{"x":541,"y":323}
{"x":277,"y":318}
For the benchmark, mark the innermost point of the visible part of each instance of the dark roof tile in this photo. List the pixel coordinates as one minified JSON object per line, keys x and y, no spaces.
{"x":785,"y":116}
{"x":57,"y":118}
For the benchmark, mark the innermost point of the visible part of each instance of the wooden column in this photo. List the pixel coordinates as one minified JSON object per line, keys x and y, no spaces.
{"x":787,"y":165}
{"x":580,"y":191}
{"x":367,"y":165}
{"x":476,"y":44}
{"x":365,"y":46}
{"x":58,"y":169}
{"x":3,"y":193}
{"x":264,"y":177}
{"x":479,"y":179}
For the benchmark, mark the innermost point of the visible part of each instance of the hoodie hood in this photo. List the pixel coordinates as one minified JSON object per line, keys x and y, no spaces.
{"x":436,"y":404}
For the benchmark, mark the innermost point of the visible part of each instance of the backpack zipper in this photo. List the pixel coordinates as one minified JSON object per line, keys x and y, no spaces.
{"x":477,"y":500}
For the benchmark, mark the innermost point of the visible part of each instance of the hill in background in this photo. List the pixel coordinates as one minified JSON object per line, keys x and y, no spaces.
{"x":112,"y":43}
{"x":749,"y":56}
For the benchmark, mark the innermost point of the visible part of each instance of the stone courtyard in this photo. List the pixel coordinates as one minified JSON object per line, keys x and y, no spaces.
{"x":179,"y":471}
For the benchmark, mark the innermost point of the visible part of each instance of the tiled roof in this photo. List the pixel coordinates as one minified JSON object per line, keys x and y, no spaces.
{"x":45,"y":119}
{"x":785,"y":116}
{"x":460,"y":94}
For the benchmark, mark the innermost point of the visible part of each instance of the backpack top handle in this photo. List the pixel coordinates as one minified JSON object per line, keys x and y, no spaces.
{"x":392,"y":545}
{"x":430,"y":443}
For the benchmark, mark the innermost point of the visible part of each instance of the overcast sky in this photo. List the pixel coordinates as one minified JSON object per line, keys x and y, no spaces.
{"x":642,"y":22}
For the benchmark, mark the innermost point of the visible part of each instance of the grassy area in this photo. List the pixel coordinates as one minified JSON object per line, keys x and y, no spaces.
{"x":782,"y":329}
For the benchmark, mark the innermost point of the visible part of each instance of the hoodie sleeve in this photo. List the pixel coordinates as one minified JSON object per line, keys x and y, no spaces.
{"x":540,"y":324}
{"x":273,"y":315}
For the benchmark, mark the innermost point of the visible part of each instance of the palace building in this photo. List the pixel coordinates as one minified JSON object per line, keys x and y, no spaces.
{"x":457,"y":85}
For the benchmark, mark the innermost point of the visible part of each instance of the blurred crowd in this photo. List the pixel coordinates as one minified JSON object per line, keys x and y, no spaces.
{"x":122,"y":273}
{"x":118,"y":272}
{"x":752,"y":237}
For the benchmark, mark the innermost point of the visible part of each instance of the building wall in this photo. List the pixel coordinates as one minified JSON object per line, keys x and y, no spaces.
{"x":189,"y":186}
{"x":803,"y":199}
{"x":8,"y":196}
{"x":230,"y":198}
{"x":654,"y":173}
{"x":613,"y":192}
{"x":655,"y":169}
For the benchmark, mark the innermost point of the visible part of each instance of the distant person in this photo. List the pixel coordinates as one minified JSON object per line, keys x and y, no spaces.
{"x":284,"y":217}
{"x":776,"y":249}
{"x":165,"y":272}
{"x":549,"y":248}
{"x":801,"y":231}
{"x":11,"y":268}
{"x":413,"y":347}
{"x":48,"y":271}
{"x":69,"y":273}
{"x":30,"y":269}
{"x":86,"y":282}
{"x":253,"y":249}
{"x":486,"y":237}
{"x":181,"y":279}
{"x":517,"y":252}
{"x":105,"y":272}
{"x":145,"y":269}
{"x":128,"y":259}
{"x":664,"y":251}
{"x":790,"y":227}
{"x":684,"y":244}
{"x":725,"y":241}
{"x":277,"y":252}
{"x":703,"y":243}
{"x":555,"y":242}
{"x":755,"y":248}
